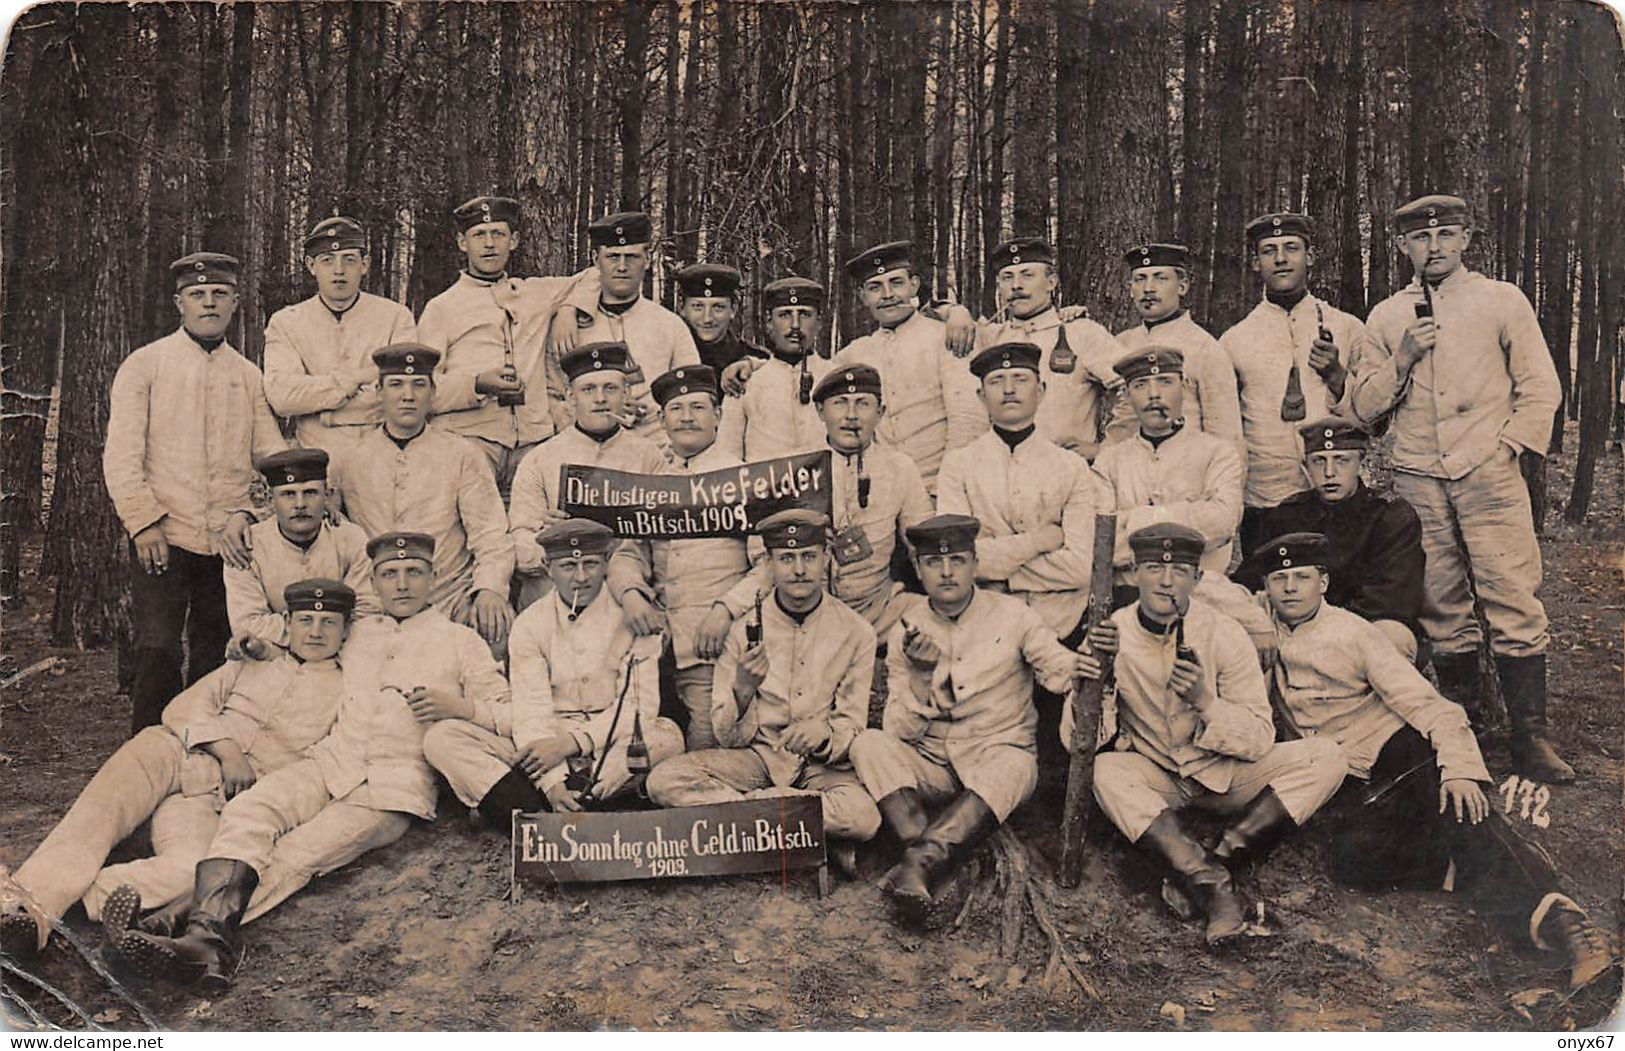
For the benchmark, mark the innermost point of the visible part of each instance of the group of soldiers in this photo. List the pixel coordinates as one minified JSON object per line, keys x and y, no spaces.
{"x":417,"y":606}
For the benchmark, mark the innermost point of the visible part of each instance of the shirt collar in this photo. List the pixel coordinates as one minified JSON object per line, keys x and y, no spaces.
{"x":1170,"y":319}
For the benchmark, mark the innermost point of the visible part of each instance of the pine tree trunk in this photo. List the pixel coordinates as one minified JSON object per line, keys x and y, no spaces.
{"x":1034,"y":88}
{"x":543,"y":142}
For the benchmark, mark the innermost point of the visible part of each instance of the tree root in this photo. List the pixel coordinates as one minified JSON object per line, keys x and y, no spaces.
{"x":1025,"y":892}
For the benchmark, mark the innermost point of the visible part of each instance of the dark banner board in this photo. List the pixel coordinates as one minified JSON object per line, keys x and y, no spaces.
{"x":756,"y":835}
{"x":723,"y":503}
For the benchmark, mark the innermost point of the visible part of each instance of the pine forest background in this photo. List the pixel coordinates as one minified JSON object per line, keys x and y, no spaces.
{"x":780,"y":138}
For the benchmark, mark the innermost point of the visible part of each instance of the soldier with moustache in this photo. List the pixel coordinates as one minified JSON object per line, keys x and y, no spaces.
{"x":495,"y":384}
{"x":1191,"y":727}
{"x":1159,"y":280}
{"x":1375,"y":560}
{"x":361,"y":784}
{"x":656,"y":340}
{"x":1077,"y":354}
{"x":790,"y":692}
{"x":583,"y":687}
{"x":318,"y":353}
{"x":1416,"y":813}
{"x":691,"y":590}
{"x":930,"y":397}
{"x":186,"y":419}
{"x":1459,"y":365}
{"x":597,"y":375}
{"x":300,"y":541}
{"x":1292,"y":355}
{"x":775,"y":414}
{"x":959,"y":728}
{"x":408,"y":474}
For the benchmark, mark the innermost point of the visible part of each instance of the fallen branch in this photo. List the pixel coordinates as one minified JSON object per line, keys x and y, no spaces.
{"x":56,"y":994}
{"x":33,"y":669}
{"x":1028,"y":892}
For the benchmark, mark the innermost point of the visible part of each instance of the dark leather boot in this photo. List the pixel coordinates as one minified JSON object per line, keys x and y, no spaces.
{"x":1458,"y":681}
{"x":1208,"y":882}
{"x":1256,"y":831}
{"x":514,"y":792}
{"x":1567,"y":928}
{"x":1523,"y":684}
{"x":169,"y":921}
{"x":963,"y":824}
{"x":208,"y":953}
{"x":905,"y":815}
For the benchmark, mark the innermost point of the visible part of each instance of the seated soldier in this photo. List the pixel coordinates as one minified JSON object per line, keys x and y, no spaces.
{"x":298,"y":543}
{"x":1193,"y":730}
{"x":790,"y":692}
{"x":1375,"y":542}
{"x":409,"y":474}
{"x":361,"y":784}
{"x":584,"y":688}
{"x":234,"y":726}
{"x":1414,"y":811}
{"x":959,"y":727}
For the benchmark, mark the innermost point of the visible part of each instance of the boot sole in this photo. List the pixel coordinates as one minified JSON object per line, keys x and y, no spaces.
{"x":119,"y":912}
{"x":154,"y":961}
{"x":19,"y":936}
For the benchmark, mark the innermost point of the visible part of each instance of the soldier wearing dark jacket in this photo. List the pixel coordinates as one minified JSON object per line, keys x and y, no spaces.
{"x":1376,"y":542}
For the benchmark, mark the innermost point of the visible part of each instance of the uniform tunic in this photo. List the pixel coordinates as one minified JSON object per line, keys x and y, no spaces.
{"x":1191,"y":478}
{"x":536,"y":483}
{"x":1487,"y":389}
{"x":1376,"y":561}
{"x":896,"y":500}
{"x":474,"y":324}
{"x":1166,"y":754}
{"x":306,"y":350}
{"x":438,"y":484}
{"x":1211,"y":402}
{"x":971,"y":714}
{"x":1341,"y":678}
{"x":184,"y":428}
{"x":1014,"y":493}
{"x":930,"y":395}
{"x":769,"y":420}
{"x":659,"y":342}
{"x":721,"y":353}
{"x":274,"y":711}
{"x":1069,"y":415}
{"x":254,"y":596}
{"x":1262,"y":348}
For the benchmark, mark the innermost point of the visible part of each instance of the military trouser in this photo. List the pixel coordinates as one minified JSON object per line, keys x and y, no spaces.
{"x":1479,"y":537}
{"x":1003,"y":775}
{"x":693,"y":686}
{"x":1132,"y":789}
{"x":1400,"y":839}
{"x":504,"y":461}
{"x":473,"y":759}
{"x":727,"y":775}
{"x":186,"y":601}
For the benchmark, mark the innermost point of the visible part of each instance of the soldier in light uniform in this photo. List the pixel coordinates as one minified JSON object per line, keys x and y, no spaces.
{"x":656,"y":339}
{"x":1377,"y":565}
{"x":185,"y":421}
{"x":791,"y":691}
{"x":409,"y":474}
{"x":709,"y":306}
{"x":1077,"y":355}
{"x":691,"y":590}
{"x":930,"y":397}
{"x":1292,"y":355}
{"x":235,"y":725}
{"x":297,"y":543}
{"x":1459,"y":362}
{"x":775,"y":415}
{"x":1417,"y":812}
{"x":1169,"y":471}
{"x":495,"y":383}
{"x":597,"y":375}
{"x":1159,"y":280}
{"x":959,"y":727}
{"x":1192,"y":729}
{"x":318,"y":353}
{"x":582,"y":684}
{"x":361,"y":785}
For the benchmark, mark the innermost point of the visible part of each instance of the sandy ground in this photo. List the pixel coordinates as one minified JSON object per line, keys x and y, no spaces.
{"x":420,"y":935}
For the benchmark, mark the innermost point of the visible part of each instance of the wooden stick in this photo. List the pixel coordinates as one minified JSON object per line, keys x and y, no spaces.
{"x":1085,"y":699}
